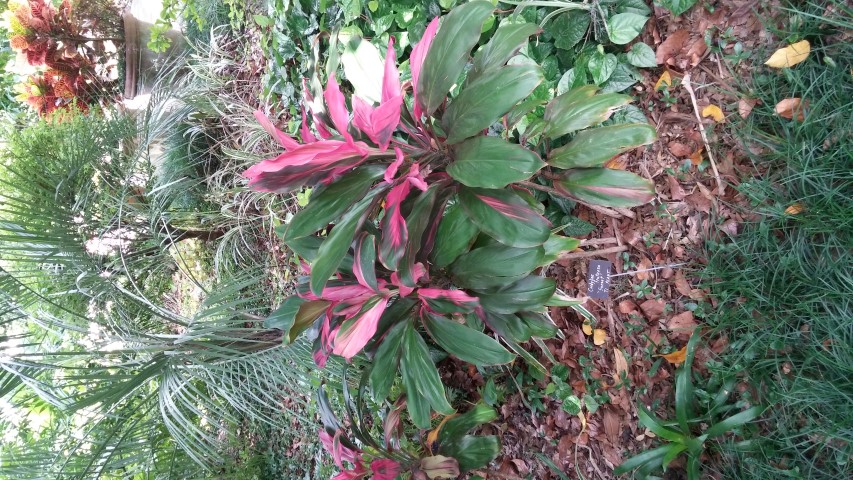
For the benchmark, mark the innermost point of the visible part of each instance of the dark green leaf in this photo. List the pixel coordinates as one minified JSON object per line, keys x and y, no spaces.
{"x":603,"y":186}
{"x":527,"y":294}
{"x":449,"y":52}
{"x":601,"y":66}
{"x":495,"y":265}
{"x":677,"y":7}
{"x":472,"y":452}
{"x":623,"y":77}
{"x":508,"y":325}
{"x":421,"y":379}
{"x":504,"y":216}
{"x":333,"y":250}
{"x":455,"y":235}
{"x":733,"y":422}
{"x":506,"y":41}
{"x":384,"y":366}
{"x":684,"y":396}
{"x":283,"y":317}
{"x":539,"y":324}
{"x":594,"y":147}
{"x":648,"y":420}
{"x":457,"y":426}
{"x":649,"y":456}
{"x":580,"y":108}
{"x":556,"y":245}
{"x":466,"y":343}
{"x":329,"y":203}
{"x":492,"y":162}
{"x":569,"y":28}
{"x":487,"y":99}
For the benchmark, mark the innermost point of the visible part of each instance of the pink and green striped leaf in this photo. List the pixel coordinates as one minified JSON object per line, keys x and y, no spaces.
{"x":447,"y":301}
{"x":354,"y":333}
{"x":395,"y":234}
{"x":606,"y":187}
{"x":364,"y":265}
{"x":505,"y":216}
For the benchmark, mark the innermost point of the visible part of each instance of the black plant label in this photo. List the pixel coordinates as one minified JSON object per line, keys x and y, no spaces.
{"x":598,"y":279}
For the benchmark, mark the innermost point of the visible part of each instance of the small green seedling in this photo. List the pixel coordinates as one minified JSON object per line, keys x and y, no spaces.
{"x":683,"y":435}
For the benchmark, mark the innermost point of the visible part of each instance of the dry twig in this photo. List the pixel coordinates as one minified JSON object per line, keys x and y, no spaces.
{"x":689,"y":87}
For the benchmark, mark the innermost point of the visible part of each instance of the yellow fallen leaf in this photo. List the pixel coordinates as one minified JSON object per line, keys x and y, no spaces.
{"x":618,"y":162}
{"x":792,"y":108}
{"x":599,"y":336}
{"x":665,"y":79}
{"x":790,"y":55}
{"x":696,"y":157}
{"x":714,"y":112}
{"x":794,"y":209}
{"x":675,"y":357}
{"x":587,"y":328}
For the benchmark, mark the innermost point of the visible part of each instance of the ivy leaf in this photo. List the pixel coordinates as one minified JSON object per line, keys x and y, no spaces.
{"x":642,"y":55}
{"x":625,"y":27}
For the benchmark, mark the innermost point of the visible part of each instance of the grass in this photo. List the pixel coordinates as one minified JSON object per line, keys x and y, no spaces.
{"x":785,"y":285}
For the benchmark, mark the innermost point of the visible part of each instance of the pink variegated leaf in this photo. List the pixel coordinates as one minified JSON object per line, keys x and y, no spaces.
{"x":337,"y":106}
{"x":289,"y":179}
{"x":505,"y":216}
{"x":364,"y":264}
{"x":448,"y":301}
{"x":282,"y":138}
{"x":301,"y":155}
{"x":305,"y":132}
{"x":391,"y":81}
{"x":395,"y":234}
{"x":414,"y":177}
{"x":354,"y":334}
{"x":416,"y":61}
{"x":391,"y":171}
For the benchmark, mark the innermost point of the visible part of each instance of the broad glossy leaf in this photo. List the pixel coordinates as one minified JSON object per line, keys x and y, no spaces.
{"x":505,"y":216}
{"x":508,"y":325}
{"x":457,"y":426}
{"x":601,"y":66}
{"x":421,"y":379}
{"x":624,"y":27}
{"x":394,"y":233}
{"x":569,"y":28}
{"x":417,"y":223}
{"x":333,"y":250}
{"x":505,"y":43}
{"x":526,"y":294}
{"x":384,"y":365}
{"x":484,"y":101}
{"x":492,"y":162}
{"x":495,"y":265}
{"x":447,"y":301}
{"x":472,"y":452}
{"x":364,"y":263}
{"x":580,"y":108}
{"x":677,"y":7}
{"x":448,"y":54}
{"x":603,"y":186}
{"x":466,"y":343}
{"x":282,"y":318}
{"x":305,"y":247}
{"x":455,"y":235}
{"x":539,"y":324}
{"x":329,"y":203}
{"x":594,"y":147}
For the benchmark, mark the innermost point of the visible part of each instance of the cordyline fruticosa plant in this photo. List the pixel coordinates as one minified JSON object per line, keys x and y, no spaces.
{"x":430,"y":234}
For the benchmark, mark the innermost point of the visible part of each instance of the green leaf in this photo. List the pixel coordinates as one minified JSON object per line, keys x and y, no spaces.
{"x":642,"y":55}
{"x":508,"y":326}
{"x":539,"y":324}
{"x":675,"y":449}
{"x":506,"y":42}
{"x":594,"y":147}
{"x":263,"y":21}
{"x":282,"y":318}
{"x":492,"y":162}
{"x":569,"y":28}
{"x":601,"y":66}
{"x":528,"y":293}
{"x":417,"y":222}
{"x":580,"y":108}
{"x":649,"y":456}
{"x":622,"y":78}
{"x":329,"y":203}
{"x":457,"y":426}
{"x":633,"y":6}
{"x":421,"y":378}
{"x":455,"y":235}
{"x":733,"y":422}
{"x":495,"y":265}
{"x":684,"y":396}
{"x":504,"y":216}
{"x":606,"y":187}
{"x":624,"y":27}
{"x":472,"y":452}
{"x":556,"y":245}
{"x":466,"y":343}
{"x":384,"y":366}
{"x":677,"y":7}
{"x":572,"y":404}
{"x":449,"y":52}
{"x":487,"y":99}
{"x":648,"y":420}
{"x":333,"y":250}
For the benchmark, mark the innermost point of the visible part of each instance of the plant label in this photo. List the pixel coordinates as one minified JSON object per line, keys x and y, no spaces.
{"x":598,"y":279}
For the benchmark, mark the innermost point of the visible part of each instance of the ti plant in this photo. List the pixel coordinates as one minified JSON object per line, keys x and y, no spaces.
{"x":691,"y":429}
{"x":433,"y":236}
{"x":444,"y":452}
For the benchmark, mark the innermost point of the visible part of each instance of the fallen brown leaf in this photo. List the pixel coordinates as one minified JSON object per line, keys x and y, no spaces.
{"x":627,"y":306}
{"x":696,"y":157}
{"x":745,"y":106}
{"x":681,"y":284}
{"x":671,"y":46}
{"x":792,"y":108}
{"x":682,"y":323}
{"x":653,"y":309}
{"x":675,"y":190}
{"x":679,"y":149}
{"x":620,"y":363}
